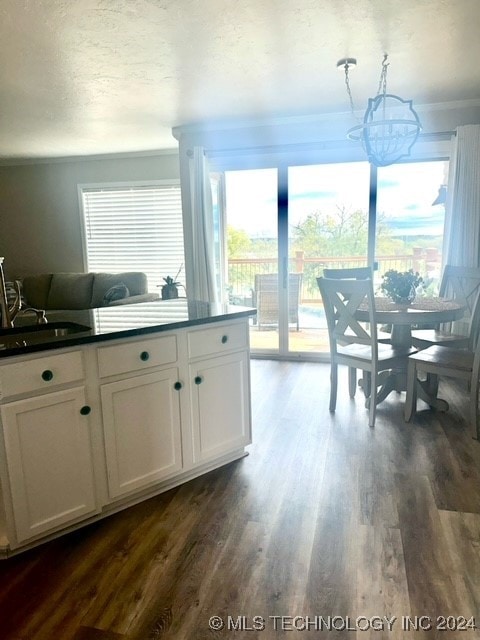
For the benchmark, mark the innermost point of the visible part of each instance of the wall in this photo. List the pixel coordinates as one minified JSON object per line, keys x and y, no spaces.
{"x":40,"y":222}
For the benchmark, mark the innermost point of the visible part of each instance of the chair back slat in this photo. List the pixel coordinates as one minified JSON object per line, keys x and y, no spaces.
{"x":461,"y":284}
{"x":342,"y":299}
{"x":354,"y":273}
{"x":474,"y":324}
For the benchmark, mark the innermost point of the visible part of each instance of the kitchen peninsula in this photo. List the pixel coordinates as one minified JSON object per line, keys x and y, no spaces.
{"x":97,"y":416}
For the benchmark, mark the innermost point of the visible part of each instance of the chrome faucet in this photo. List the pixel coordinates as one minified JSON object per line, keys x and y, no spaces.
{"x":9,"y":313}
{"x":40,"y":313}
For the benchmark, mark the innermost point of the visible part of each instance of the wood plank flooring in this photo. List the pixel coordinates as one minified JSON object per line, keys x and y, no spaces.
{"x":325,"y":517}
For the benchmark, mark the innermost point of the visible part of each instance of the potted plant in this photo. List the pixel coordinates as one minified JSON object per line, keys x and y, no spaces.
{"x":401,"y":286}
{"x":170,"y":289}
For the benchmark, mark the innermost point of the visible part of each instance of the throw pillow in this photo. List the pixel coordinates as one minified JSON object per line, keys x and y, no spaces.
{"x":117,"y":292}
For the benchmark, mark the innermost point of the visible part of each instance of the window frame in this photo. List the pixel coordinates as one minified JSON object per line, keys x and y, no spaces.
{"x":82,"y":187}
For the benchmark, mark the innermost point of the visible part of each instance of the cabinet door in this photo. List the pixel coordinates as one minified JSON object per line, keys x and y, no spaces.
{"x":49,"y":457}
{"x":141,"y":419}
{"x":220,"y":405}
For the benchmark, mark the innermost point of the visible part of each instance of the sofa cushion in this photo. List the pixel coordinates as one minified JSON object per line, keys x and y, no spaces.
{"x":70,"y":291}
{"x":135,"y":281}
{"x":36,"y":288}
{"x":117,"y":292}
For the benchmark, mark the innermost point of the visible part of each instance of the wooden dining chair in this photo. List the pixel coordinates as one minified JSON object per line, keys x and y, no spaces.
{"x":445,"y":362}
{"x":461,"y":284}
{"x":355,"y":273}
{"x":354,"y":344}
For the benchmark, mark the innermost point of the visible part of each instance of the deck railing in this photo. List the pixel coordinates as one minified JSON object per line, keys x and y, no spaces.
{"x":241,"y":271}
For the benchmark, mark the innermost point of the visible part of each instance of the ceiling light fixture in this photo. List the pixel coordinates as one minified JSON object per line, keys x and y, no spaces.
{"x":390,"y":125}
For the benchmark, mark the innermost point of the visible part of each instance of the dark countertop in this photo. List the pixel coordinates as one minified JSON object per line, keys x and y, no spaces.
{"x":109,"y":323}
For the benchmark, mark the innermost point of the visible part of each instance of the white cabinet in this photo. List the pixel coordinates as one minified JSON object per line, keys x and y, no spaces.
{"x":138,"y":355}
{"x":41,"y":374}
{"x":219,"y":389}
{"x":49,"y":461}
{"x":166,"y":407}
{"x":141,"y":421}
{"x":145,"y":415}
{"x":217,"y":340}
{"x":220,"y":405}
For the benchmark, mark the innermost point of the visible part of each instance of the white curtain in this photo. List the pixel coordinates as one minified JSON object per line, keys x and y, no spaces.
{"x":203,"y":263}
{"x":462,"y":223}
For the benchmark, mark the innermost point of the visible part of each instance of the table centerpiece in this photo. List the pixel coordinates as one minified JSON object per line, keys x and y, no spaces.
{"x":401,"y":286}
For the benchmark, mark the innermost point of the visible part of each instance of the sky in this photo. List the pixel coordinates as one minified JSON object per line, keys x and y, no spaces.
{"x":405,"y":195}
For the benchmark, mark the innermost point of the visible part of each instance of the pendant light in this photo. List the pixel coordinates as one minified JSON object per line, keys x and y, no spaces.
{"x":390,"y":124}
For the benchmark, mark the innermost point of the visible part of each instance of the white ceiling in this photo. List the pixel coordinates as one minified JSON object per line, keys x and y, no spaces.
{"x":81,"y":77}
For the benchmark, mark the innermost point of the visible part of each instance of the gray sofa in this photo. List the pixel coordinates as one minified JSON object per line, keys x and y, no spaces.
{"x":55,"y":291}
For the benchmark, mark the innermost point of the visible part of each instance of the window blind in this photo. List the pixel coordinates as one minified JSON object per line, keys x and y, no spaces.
{"x":135,"y":228}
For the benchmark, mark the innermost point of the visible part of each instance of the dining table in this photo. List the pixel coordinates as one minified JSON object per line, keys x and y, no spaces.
{"x":422,"y":311}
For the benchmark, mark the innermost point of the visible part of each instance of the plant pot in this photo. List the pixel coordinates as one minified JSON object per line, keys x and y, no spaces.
{"x":404,"y":301}
{"x":169,"y":292}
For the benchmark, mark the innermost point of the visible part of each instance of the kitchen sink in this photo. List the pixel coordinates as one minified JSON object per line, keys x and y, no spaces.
{"x":36,"y":334}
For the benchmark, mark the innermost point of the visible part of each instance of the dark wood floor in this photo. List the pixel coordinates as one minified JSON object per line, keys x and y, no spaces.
{"x":325,"y":517}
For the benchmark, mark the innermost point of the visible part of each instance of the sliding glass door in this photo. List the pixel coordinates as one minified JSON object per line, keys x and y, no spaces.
{"x":410,"y":219}
{"x":285,"y":224}
{"x":251,"y":216}
{"x":277,"y":246}
{"x":327,"y":227}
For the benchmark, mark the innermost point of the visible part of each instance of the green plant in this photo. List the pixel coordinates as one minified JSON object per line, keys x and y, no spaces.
{"x":400,"y":286}
{"x":171,"y":282}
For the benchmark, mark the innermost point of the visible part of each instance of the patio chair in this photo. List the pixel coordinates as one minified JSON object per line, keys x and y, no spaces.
{"x":353,"y":344}
{"x":265,"y":299}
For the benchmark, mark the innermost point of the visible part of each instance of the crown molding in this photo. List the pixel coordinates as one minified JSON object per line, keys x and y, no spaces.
{"x":446,"y":106}
{"x":305,"y":119}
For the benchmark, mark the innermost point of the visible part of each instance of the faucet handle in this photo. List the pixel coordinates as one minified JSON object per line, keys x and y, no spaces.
{"x":40,"y":314}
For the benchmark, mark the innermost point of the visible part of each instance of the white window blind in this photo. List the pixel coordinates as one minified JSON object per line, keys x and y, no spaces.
{"x":135,"y":228}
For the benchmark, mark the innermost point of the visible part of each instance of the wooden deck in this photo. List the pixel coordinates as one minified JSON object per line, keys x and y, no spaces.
{"x":304,"y":340}
{"x":312,"y":336}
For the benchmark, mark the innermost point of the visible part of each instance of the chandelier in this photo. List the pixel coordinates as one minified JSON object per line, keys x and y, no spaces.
{"x":390,"y":125}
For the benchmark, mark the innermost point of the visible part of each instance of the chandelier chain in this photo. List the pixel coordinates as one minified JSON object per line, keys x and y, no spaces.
{"x":382,"y":84}
{"x":390,"y":125}
{"x":349,"y":91}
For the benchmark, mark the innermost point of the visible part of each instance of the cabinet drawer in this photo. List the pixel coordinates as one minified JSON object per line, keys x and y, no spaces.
{"x":40,"y":374}
{"x":135,"y":356}
{"x":217,"y":340}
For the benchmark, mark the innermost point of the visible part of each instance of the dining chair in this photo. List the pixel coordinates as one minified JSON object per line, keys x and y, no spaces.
{"x":355,"y":273}
{"x":461,"y":284}
{"x":443,"y":361}
{"x":352,"y":343}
